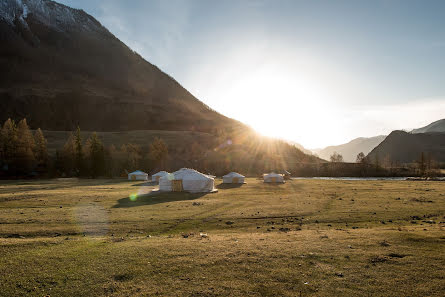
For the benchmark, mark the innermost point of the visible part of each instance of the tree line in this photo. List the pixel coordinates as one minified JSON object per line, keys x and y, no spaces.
{"x":424,"y":166}
{"x":25,"y":154}
{"x":21,"y":151}
{"x":91,"y":158}
{"x":87,"y":156}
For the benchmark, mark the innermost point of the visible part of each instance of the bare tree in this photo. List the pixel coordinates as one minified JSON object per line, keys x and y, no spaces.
{"x":336,"y":158}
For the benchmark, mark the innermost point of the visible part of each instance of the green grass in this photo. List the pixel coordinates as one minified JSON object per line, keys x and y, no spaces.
{"x":71,"y":237}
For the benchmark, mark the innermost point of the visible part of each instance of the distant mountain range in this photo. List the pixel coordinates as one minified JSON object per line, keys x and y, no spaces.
{"x":404,"y":147}
{"x":350,"y":150}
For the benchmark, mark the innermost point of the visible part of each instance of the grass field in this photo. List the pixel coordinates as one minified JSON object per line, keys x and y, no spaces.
{"x":72,"y":237}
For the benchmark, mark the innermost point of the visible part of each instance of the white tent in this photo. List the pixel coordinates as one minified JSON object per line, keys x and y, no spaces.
{"x":273,"y":178}
{"x":188,"y":180}
{"x":157,"y":176}
{"x":233,"y":178}
{"x":138,"y":175}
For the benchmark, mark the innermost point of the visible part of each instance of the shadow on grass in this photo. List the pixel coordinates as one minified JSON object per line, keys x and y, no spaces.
{"x":229,"y":186}
{"x":156,"y":198}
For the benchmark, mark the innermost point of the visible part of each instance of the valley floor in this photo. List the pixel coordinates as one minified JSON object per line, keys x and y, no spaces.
{"x":70,"y":237}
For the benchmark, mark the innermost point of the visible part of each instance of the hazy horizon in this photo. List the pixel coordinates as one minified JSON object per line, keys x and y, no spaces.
{"x":318,"y":73}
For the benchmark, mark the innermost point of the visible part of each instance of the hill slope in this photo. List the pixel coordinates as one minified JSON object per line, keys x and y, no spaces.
{"x":350,"y":150}
{"x":403,"y":147}
{"x":61,"y":67}
{"x":437,"y":126}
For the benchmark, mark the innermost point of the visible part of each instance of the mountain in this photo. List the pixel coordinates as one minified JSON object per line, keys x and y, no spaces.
{"x":437,"y":126}
{"x":60,"y":67}
{"x":300,"y":147}
{"x":350,"y":150}
{"x":404,"y":147}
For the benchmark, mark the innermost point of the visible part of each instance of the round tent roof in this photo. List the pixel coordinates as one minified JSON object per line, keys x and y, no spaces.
{"x":138,"y":172}
{"x":272,"y":174}
{"x":188,"y":174}
{"x":160,"y":173}
{"x":233,"y":174}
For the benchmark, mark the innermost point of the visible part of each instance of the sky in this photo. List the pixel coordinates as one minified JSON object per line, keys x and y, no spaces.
{"x":315,"y":72}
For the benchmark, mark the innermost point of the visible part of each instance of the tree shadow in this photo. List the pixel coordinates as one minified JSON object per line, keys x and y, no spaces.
{"x":229,"y":186}
{"x":154,"y":198}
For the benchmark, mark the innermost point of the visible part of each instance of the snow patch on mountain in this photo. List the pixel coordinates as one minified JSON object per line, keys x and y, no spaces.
{"x":54,"y":15}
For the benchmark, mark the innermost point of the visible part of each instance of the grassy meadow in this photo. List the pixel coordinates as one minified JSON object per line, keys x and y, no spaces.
{"x":70,"y":237}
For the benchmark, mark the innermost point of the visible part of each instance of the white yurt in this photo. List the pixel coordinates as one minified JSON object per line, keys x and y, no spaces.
{"x":155,"y":177}
{"x":233,"y":178}
{"x":188,"y":180}
{"x":138,"y":175}
{"x":273,"y":178}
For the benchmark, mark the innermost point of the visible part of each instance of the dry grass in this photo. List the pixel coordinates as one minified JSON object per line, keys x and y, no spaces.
{"x":86,"y":237}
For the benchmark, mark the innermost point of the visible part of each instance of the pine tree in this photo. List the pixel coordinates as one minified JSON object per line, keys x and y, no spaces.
{"x":25,"y":159}
{"x":96,"y":156}
{"x":68,"y":156}
{"x":79,"y":160}
{"x":8,"y":149}
{"x":41,"y":151}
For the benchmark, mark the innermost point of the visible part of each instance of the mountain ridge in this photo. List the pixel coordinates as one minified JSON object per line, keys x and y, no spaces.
{"x":437,"y":126}
{"x":403,"y":147}
{"x":61,"y":61}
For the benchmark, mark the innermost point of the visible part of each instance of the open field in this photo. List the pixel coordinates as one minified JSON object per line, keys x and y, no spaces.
{"x":70,"y":237}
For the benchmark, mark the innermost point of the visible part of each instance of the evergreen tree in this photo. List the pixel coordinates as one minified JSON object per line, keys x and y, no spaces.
{"x":8,"y":148}
{"x":41,"y":151}
{"x":79,"y":159}
{"x":25,"y":159}
{"x":96,"y":156}
{"x":68,"y":156}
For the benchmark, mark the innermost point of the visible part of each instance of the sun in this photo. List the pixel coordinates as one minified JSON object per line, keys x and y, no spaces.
{"x":280,"y":104}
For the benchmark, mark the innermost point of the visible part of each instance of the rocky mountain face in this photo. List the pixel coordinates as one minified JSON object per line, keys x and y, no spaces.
{"x":61,"y":68}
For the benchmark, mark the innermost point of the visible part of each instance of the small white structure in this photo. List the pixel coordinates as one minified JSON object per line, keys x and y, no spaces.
{"x":233,"y":178}
{"x":187,"y":180}
{"x":273,"y":178}
{"x":157,"y":176}
{"x":138,"y":175}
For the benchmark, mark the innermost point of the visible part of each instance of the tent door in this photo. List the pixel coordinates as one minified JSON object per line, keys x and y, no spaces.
{"x":274,"y":179}
{"x":133,"y":177}
{"x":235,"y":180}
{"x":177,"y":185}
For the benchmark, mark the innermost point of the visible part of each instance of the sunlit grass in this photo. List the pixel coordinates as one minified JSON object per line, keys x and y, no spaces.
{"x":314,"y":238}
